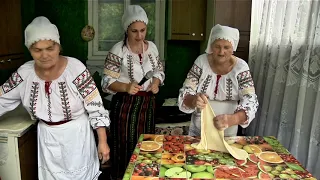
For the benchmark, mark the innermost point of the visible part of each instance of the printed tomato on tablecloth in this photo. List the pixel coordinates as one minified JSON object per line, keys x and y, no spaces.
{"x":173,"y":144}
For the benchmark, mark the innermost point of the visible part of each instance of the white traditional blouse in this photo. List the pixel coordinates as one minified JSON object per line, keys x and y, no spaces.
{"x":70,"y":96}
{"x":124,"y":66}
{"x":234,"y":87}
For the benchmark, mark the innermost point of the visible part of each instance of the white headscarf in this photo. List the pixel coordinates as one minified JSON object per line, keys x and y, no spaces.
{"x":41,"y":29}
{"x":132,"y":14}
{"x":223,"y":32}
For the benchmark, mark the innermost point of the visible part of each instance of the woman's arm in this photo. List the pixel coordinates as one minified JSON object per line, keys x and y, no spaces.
{"x":188,"y":92}
{"x":10,"y":94}
{"x":248,"y":104}
{"x":118,"y":87}
{"x":103,"y":147}
{"x":111,"y":73}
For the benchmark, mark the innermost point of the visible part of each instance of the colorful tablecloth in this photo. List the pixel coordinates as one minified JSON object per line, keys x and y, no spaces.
{"x":162,"y":157}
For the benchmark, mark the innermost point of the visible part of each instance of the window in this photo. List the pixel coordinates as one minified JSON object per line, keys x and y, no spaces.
{"x":105,"y":16}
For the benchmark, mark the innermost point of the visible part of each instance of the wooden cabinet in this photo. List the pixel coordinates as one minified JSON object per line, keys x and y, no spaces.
{"x":187,"y":19}
{"x":28,"y":155}
{"x":18,"y":144}
{"x":21,"y":161}
{"x":235,"y":14}
{"x":11,"y":41}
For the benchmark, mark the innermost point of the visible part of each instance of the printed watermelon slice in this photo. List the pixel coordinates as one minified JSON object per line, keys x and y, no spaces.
{"x":264,"y":167}
{"x":220,"y":173}
{"x":227,"y":172}
{"x":262,"y":175}
{"x":253,"y":158}
{"x":241,"y":162}
{"x":250,"y":172}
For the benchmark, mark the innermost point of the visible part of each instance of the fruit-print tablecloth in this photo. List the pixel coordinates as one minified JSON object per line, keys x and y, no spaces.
{"x":162,"y":157}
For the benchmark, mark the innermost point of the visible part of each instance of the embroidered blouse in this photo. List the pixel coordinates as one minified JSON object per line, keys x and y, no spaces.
{"x":124,"y":66}
{"x":237,"y":85}
{"x":71,"y":96}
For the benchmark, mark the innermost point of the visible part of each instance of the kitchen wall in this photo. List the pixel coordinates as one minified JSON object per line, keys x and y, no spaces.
{"x":70,"y":16}
{"x":180,"y":56}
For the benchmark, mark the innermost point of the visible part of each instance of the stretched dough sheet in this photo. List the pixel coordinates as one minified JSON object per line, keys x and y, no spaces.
{"x":212,"y":138}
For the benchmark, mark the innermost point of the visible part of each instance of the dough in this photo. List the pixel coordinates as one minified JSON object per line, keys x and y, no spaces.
{"x":212,"y":138}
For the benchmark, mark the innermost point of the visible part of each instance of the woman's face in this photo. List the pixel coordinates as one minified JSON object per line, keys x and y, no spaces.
{"x":221,"y":50}
{"x":137,"y":32}
{"x":45,"y":53}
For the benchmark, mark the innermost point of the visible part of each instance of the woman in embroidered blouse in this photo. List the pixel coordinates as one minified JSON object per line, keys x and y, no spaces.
{"x":222,"y":80}
{"x":132,"y":106}
{"x":60,"y":93}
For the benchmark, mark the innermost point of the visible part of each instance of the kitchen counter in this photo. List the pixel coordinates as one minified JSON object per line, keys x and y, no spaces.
{"x":15,"y":123}
{"x":164,"y":157}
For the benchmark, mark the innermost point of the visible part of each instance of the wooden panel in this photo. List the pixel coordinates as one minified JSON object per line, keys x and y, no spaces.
{"x":198,"y":14}
{"x":224,"y":12}
{"x":28,"y":155}
{"x":14,"y":35}
{"x":180,"y":22}
{"x":187,"y":19}
{"x":242,"y":15}
{"x":237,"y":14}
{"x":3,"y":27}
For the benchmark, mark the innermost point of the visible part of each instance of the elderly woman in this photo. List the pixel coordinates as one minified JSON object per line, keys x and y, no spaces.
{"x":133,"y":103}
{"x":60,"y":93}
{"x":222,"y":80}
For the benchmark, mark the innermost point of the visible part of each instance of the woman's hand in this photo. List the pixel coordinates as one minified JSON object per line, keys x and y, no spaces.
{"x":154,"y":88}
{"x":221,"y":122}
{"x":103,"y":152}
{"x":200,"y":101}
{"x":133,"y":88}
{"x":224,"y":121}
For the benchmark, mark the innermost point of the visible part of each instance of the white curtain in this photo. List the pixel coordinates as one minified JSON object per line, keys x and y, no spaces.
{"x":284,"y":59}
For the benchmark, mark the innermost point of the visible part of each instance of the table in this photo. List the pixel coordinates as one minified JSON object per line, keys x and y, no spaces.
{"x":162,"y":157}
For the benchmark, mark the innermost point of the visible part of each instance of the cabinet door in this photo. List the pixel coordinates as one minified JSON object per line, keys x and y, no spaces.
{"x":14,"y":35}
{"x":179,"y":15}
{"x":198,"y":19}
{"x":236,"y":14}
{"x":11,"y":28}
{"x":28,"y":155}
{"x":187,"y":19}
{"x":11,"y":45}
{"x":4,"y":10}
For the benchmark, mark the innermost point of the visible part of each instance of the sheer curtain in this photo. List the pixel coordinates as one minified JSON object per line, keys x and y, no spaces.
{"x":285,"y":63}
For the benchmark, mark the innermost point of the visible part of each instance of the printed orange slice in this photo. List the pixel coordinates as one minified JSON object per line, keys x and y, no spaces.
{"x":149,"y":146}
{"x":255,"y":148}
{"x":270,"y":157}
{"x":159,"y":138}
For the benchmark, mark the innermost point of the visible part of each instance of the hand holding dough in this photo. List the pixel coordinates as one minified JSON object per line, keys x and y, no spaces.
{"x":221,"y":122}
{"x":200,"y":101}
{"x":212,"y":138}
